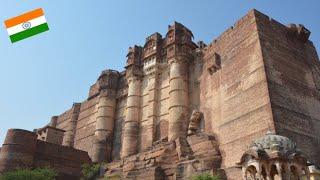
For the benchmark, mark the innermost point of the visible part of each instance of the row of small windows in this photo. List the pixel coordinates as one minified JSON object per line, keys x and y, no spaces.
{"x":152,"y":61}
{"x":150,"y":46}
{"x":149,"y":62}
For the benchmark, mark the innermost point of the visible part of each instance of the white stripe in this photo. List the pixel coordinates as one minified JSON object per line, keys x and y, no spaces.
{"x":34,"y":22}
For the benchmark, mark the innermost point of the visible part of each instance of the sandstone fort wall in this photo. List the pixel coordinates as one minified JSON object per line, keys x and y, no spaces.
{"x":258,"y":75}
{"x":292,"y":68}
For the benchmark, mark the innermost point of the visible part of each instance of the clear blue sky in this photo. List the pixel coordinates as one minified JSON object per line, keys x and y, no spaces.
{"x":43,"y":75}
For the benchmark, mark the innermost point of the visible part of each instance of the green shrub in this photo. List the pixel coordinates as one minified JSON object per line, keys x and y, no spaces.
{"x":205,"y":176}
{"x":90,"y":172}
{"x":27,"y":174}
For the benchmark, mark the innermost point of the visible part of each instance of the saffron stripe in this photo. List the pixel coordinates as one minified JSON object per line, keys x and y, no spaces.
{"x":29,"y":32}
{"x":34,"y":22}
{"x":23,"y":18}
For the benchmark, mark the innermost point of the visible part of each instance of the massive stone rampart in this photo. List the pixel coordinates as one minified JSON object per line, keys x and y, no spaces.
{"x":256,"y":76}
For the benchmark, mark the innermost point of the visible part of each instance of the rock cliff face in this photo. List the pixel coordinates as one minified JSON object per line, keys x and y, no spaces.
{"x":257,"y":75}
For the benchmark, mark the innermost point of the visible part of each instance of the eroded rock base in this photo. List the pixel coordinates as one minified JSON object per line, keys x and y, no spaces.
{"x":170,"y":160}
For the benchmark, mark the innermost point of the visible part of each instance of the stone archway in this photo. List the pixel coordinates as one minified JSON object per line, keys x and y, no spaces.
{"x":274,"y":175}
{"x":294,"y":175}
{"x":275,"y":158}
{"x":263,"y":172}
{"x":251,"y":173}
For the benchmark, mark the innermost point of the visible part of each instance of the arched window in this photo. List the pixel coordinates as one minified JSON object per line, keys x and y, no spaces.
{"x":251,"y":173}
{"x":263,"y":172}
{"x":274,"y":173}
{"x":294,"y":175}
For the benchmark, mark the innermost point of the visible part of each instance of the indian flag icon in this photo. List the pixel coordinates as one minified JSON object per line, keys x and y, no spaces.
{"x":26,"y":25}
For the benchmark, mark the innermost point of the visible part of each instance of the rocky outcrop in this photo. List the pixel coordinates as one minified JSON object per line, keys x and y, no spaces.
{"x":165,"y":160}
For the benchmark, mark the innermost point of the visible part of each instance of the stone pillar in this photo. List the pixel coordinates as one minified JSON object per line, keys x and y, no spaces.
{"x":103,"y":136}
{"x":149,"y":134}
{"x":54,"y":121}
{"x":178,"y":99}
{"x":279,"y":170}
{"x":268,"y":171}
{"x":131,"y":122}
{"x":259,"y":171}
{"x":69,"y":135}
{"x":104,"y":126}
{"x":244,"y":173}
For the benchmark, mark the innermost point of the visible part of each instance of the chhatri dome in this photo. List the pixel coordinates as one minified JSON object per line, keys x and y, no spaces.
{"x":272,"y":142}
{"x":273,"y":157}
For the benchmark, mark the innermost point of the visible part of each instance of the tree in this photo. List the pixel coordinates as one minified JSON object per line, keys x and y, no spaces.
{"x":205,"y":176}
{"x":28,"y":174}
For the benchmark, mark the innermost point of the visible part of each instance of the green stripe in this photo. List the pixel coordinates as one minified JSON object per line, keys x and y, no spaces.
{"x":29,"y":32}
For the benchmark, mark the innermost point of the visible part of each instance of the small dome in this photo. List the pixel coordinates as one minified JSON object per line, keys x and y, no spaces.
{"x":271,"y":142}
{"x":272,"y":146}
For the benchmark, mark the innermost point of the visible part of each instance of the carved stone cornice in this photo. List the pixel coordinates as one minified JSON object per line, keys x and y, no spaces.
{"x":180,"y":59}
{"x":134,"y":56}
{"x":180,"y":52}
{"x":152,"y":71}
{"x":134,"y":72}
{"x":108,"y":80}
{"x":134,"y":78}
{"x":122,"y":93}
{"x":108,"y":93}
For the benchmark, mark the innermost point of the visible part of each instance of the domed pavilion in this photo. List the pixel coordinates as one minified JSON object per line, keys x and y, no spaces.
{"x":273,"y":157}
